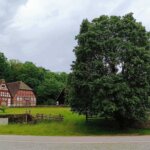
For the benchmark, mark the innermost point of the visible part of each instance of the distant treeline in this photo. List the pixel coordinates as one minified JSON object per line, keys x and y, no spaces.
{"x":46,"y":84}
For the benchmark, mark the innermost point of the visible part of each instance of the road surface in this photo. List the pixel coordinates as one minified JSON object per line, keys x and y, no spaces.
{"x":11,"y":142}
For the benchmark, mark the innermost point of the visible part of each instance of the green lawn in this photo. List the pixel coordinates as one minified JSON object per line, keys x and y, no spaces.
{"x":73,"y":124}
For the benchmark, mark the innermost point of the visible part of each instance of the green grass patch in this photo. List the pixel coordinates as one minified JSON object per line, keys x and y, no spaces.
{"x":72,"y":125}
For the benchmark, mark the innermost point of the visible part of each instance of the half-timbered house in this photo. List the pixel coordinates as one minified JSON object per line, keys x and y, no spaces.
{"x":5,"y":97}
{"x":22,"y":94}
{"x":16,"y":94}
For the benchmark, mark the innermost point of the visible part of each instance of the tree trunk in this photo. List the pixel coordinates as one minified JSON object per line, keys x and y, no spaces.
{"x":86,"y":115}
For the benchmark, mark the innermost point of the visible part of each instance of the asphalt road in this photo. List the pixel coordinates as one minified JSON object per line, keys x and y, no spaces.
{"x":74,"y":143}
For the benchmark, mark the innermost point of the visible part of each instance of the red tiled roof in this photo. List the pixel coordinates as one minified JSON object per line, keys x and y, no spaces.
{"x":15,"y":86}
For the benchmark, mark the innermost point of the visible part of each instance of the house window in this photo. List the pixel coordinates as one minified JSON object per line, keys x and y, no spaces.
{"x":17,"y":98}
{"x":3,"y":85}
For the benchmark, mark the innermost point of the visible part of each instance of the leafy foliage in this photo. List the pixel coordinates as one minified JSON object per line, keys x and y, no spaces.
{"x":46,"y":84}
{"x":110,"y":76}
{"x":51,"y":87}
{"x":4,"y":67}
{"x":3,"y":108}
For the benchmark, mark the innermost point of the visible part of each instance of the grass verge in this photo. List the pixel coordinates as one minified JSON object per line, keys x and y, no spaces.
{"x":73,"y":125}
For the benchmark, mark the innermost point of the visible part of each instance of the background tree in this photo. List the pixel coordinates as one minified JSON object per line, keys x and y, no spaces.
{"x":110,"y":74}
{"x":51,"y":87}
{"x":4,"y":67}
{"x":46,"y":84}
{"x":27,"y":72}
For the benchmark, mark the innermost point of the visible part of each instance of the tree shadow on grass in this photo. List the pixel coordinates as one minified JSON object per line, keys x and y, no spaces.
{"x":102,"y":127}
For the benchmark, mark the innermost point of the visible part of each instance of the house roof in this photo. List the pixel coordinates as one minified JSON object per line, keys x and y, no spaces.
{"x":15,"y":86}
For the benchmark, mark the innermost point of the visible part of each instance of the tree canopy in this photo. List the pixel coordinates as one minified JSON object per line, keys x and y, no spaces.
{"x":4,"y":67}
{"x":46,"y":84}
{"x":110,"y":76}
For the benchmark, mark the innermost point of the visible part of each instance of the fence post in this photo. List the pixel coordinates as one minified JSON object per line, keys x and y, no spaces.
{"x":26,"y":115}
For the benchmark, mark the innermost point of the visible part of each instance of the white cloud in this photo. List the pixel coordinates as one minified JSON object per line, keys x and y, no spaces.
{"x":43,"y":31}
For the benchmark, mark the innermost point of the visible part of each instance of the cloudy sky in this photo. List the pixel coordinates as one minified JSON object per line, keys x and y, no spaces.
{"x":43,"y":31}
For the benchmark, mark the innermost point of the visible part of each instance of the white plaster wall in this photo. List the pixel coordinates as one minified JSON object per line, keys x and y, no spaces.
{"x":3,"y":121}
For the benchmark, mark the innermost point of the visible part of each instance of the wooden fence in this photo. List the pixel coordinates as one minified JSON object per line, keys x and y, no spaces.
{"x":40,"y":117}
{"x":18,"y":118}
{"x":28,"y":118}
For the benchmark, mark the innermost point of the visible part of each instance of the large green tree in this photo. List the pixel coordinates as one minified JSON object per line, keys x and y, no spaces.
{"x":110,"y":74}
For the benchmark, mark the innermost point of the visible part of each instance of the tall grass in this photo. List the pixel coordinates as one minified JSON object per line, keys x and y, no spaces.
{"x":73,"y":124}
